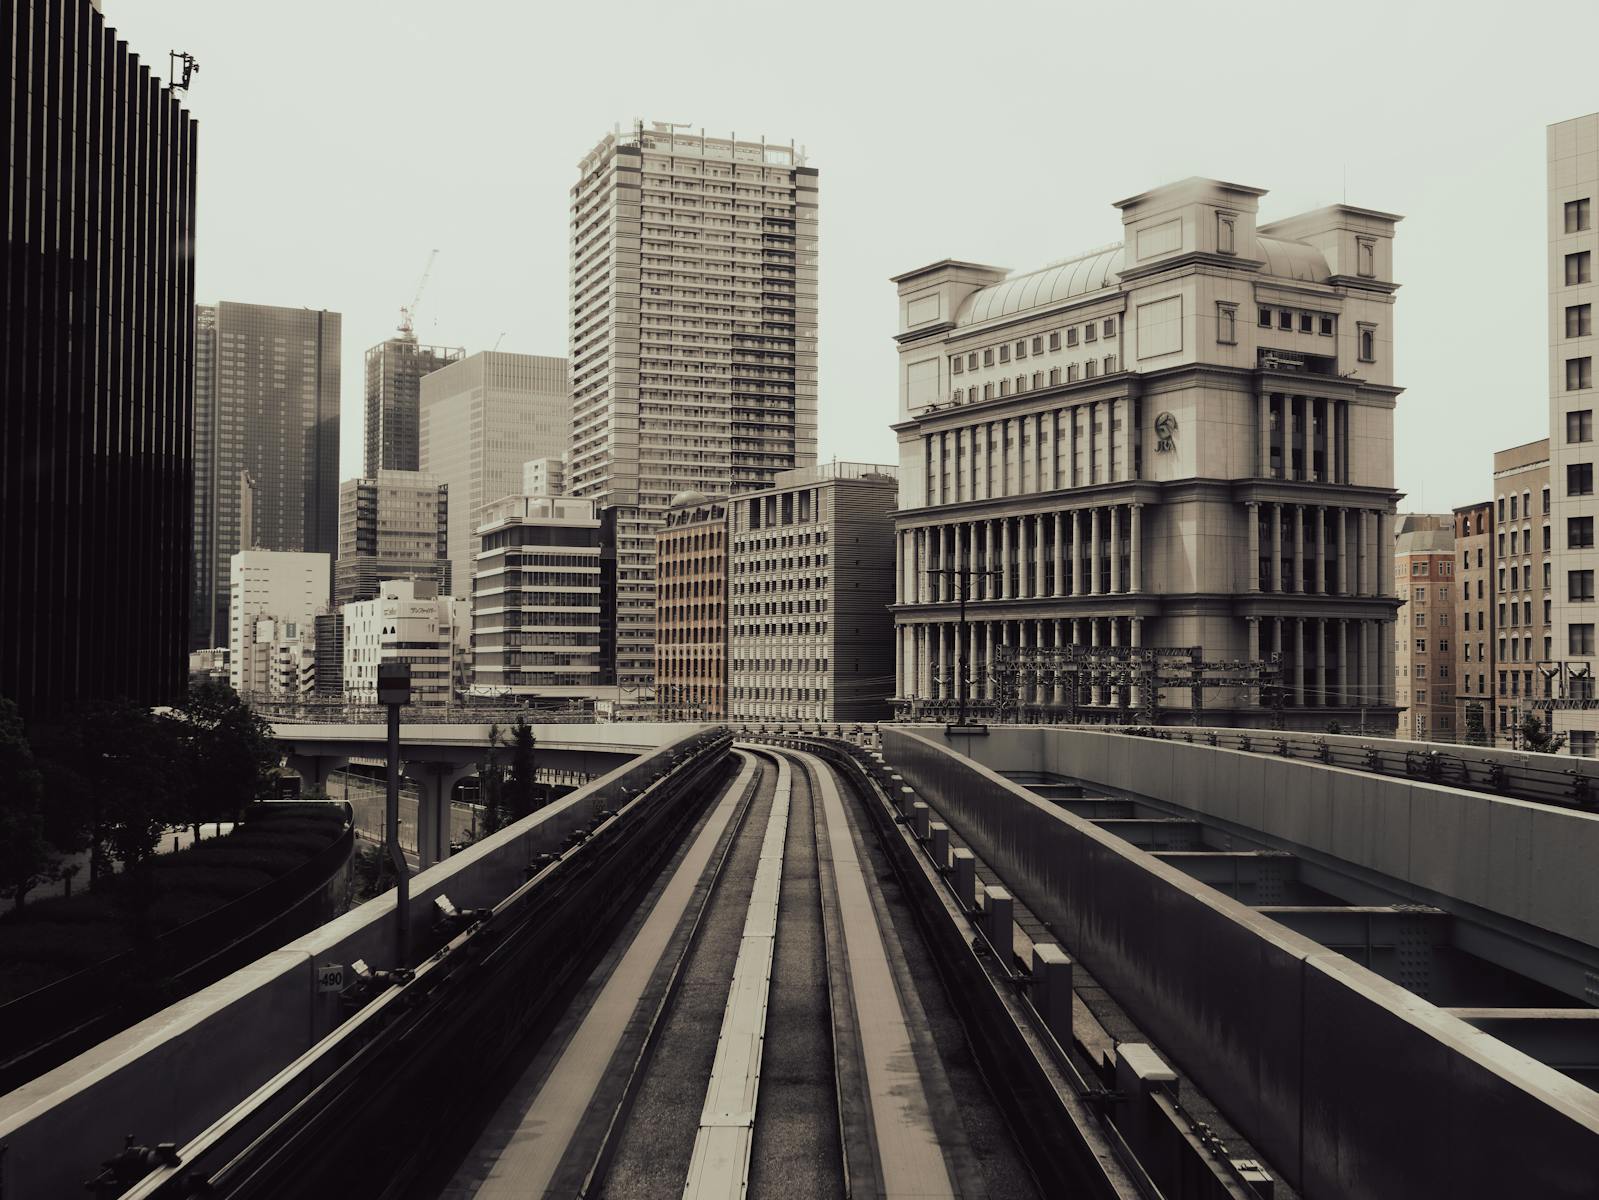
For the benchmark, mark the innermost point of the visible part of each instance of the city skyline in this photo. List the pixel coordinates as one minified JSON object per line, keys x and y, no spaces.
{"x":1467,"y":173}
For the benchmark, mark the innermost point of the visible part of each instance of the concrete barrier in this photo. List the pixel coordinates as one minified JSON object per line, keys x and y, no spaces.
{"x":170,"y":1076}
{"x":1349,"y":1084}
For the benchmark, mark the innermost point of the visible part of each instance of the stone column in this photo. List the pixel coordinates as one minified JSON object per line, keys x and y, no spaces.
{"x":1342,"y":517}
{"x":1115,"y":547}
{"x":1385,"y":553}
{"x":1138,"y":631}
{"x":1079,"y":559}
{"x":1264,"y":428}
{"x":1135,"y":557}
{"x":1252,"y":646}
{"x":1321,"y":550}
{"x":1096,"y":572}
{"x":1341,"y":675}
{"x":1252,"y":567}
{"x":1058,"y":566}
{"x":1058,"y":692}
{"x":1299,"y":548}
{"x":1385,"y":660}
{"x":1277,"y":547}
{"x":1004,"y":558}
{"x":1040,"y":556}
{"x":1332,"y":442}
{"x":1319,"y":633}
{"x":940,"y":675}
{"x":1299,"y":662}
{"x":1360,"y":566}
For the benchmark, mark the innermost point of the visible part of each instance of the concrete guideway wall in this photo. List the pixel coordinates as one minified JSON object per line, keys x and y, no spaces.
{"x":169,"y":1077}
{"x":1348,"y":1083}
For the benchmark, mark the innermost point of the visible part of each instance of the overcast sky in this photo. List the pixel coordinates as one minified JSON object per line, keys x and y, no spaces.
{"x":342,"y":140}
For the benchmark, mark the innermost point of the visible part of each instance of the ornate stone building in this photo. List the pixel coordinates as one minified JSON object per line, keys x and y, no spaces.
{"x":1182,"y":439}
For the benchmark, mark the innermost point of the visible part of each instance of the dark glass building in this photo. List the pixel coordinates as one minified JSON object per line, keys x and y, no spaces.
{"x":266,"y":399}
{"x":96,"y":360}
{"x":394,"y":371}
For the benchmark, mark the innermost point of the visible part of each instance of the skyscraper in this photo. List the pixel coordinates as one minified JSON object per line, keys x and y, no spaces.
{"x":693,"y":337}
{"x":394,"y":370}
{"x":482,"y":417}
{"x":267,"y":407}
{"x":96,"y":396}
{"x":393,"y":526}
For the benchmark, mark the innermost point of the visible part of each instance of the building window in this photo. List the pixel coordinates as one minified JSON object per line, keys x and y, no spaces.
{"x":1264,"y":320}
{"x":1579,"y":479}
{"x":1579,"y":585}
{"x":1579,"y":268}
{"x":1365,"y":257}
{"x":1054,"y":376}
{"x":1285,"y":319}
{"x":957,"y":365}
{"x":1579,"y":425}
{"x":1108,"y":327}
{"x":1326,"y":325}
{"x":1226,"y":230}
{"x":1579,"y":320}
{"x":1307,"y":322}
{"x":1579,"y":374}
{"x":1580,"y":638}
{"x":1368,"y":343}
{"x":1038,"y":345}
{"x":1579,"y":533}
{"x":1071,"y":336}
{"x":1576,"y":215}
{"x":1021,"y":349}
{"x":1054,"y":340}
{"x":1071,"y":373}
{"x":1090,"y":369}
{"x":1091,"y":332}
{"x":1110,"y":364}
{"x":1004,"y":354}
{"x":1227,"y":324}
{"x":1545,"y":510}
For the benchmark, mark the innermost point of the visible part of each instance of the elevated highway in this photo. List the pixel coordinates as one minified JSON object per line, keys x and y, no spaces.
{"x":1043,"y":961}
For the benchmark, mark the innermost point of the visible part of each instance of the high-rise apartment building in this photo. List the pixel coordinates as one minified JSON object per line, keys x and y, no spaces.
{"x":691,"y":609}
{"x":1522,"y":587}
{"x":693,"y":337}
{"x":544,"y":477}
{"x":1183,"y":439}
{"x":266,"y":396}
{"x":1573,"y":182}
{"x":1425,"y":633}
{"x":1474,"y":622}
{"x":96,"y":398}
{"x":536,"y":601}
{"x":810,"y":595}
{"x":394,"y":370}
{"x":394,"y":525}
{"x":272,"y":595}
{"x":483,"y":416}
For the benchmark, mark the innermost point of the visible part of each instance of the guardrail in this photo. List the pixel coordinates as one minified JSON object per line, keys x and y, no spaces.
{"x":429,"y":714}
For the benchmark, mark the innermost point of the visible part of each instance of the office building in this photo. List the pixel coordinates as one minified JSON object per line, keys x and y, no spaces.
{"x":1184,"y":439}
{"x":266,"y":396}
{"x":330,"y":654}
{"x":277,"y":660}
{"x":693,"y":337}
{"x":394,"y":370}
{"x":409,"y":622}
{"x":691,"y":609}
{"x":484,"y":416}
{"x":544,"y":477}
{"x":96,"y":399}
{"x":285,"y":590}
{"x":810,"y":583}
{"x":1523,"y":558}
{"x":1474,"y":623}
{"x":1573,"y":193}
{"x":394,"y":525}
{"x":1425,"y":633}
{"x":536,"y":601}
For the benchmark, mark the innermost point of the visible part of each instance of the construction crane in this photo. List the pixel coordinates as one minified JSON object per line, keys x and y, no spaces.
{"x":408,"y":314}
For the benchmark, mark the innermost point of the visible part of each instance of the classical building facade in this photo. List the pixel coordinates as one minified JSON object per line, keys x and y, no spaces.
{"x":1523,"y":588}
{"x":1183,"y":439}
{"x":482,"y":417}
{"x":1474,"y":622}
{"x":810,"y":585}
{"x":266,"y":418}
{"x":691,"y":609}
{"x":537,"y":596}
{"x":394,"y":525}
{"x":97,"y":450}
{"x":1425,"y":636}
{"x":394,"y":370}
{"x":1573,"y":196}
{"x":693,"y":337}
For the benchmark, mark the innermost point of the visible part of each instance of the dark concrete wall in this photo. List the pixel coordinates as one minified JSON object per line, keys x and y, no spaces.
{"x":1349,"y":1084}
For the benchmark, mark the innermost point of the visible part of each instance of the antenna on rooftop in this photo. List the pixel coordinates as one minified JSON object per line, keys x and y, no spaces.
{"x":189,"y":65}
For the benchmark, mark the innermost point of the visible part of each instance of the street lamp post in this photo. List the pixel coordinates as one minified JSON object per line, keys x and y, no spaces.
{"x":394,"y":692}
{"x":963,"y":575}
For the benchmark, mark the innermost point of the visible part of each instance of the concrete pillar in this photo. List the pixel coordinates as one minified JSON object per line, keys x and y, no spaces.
{"x":1264,"y":428}
{"x":1385,"y":664}
{"x":1052,"y":990}
{"x":1385,"y":552}
{"x":999,"y":924}
{"x":1253,"y":650}
{"x":1040,"y":556}
{"x":1096,"y":569}
{"x":1252,"y":566}
{"x":1135,"y":560}
{"x":1137,"y":631}
{"x":1299,"y":661}
{"x":1140,"y":1075}
{"x":1277,"y":547}
{"x":1332,"y":442}
{"x":1340,"y":674}
{"x":938,"y":843}
{"x":921,"y":820}
{"x":1080,"y":560}
{"x":1299,"y":548}
{"x":964,"y":867}
{"x":1342,"y":518}
{"x":1318,"y":628}
{"x":1116,"y":548}
{"x":1058,"y":563}
{"x":435,"y":784}
{"x":1321,"y":550}
{"x":1004,"y":559}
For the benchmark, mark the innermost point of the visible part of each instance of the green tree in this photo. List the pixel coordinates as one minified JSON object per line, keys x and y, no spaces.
{"x":519,"y":793}
{"x":1476,"y":734}
{"x":491,"y":781}
{"x":1539,"y":738}
{"x":25,"y":857}
{"x":229,"y":753}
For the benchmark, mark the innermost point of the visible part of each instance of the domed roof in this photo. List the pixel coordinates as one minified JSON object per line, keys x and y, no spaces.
{"x":1058,"y":281}
{"x":689,"y":497}
{"x":1293,"y":260}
